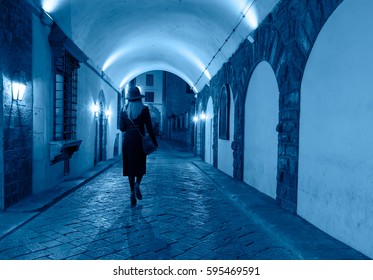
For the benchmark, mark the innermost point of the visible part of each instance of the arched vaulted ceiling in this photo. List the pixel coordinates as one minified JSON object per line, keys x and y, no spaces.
{"x":126,"y":38}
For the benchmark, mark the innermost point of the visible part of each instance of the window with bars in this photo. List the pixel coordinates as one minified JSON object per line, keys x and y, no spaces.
{"x":149,"y":96}
{"x":65,"y":102}
{"x":149,"y":79}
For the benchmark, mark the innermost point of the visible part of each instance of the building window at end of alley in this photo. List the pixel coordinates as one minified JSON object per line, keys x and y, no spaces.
{"x":149,"y":80}
{"x":65,"y":102}
{"x":149,"y":96}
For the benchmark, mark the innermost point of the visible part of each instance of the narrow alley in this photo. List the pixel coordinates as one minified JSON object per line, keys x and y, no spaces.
{"x":263,"y":109}
{"x":190,"y":211}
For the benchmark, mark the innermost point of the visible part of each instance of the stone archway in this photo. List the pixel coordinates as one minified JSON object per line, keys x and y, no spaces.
{"x":260,"y":136}
{"x":335,"y":142}
{"x":209,"y":132}
{"x":225,"y":137}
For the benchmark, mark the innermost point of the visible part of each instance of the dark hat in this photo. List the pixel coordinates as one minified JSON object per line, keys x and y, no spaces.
{"x":134,"y":94}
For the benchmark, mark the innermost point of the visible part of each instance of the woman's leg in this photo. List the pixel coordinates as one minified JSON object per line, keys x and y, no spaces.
{"x":138,"y":179}
{"x":137,"y":187}
{"x":131,"y":180}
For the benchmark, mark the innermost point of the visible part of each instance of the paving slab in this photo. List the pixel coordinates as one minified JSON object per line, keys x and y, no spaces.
{"x":23,"y":211}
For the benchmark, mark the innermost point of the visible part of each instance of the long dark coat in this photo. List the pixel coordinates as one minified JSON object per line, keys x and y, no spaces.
{"x":134,"y":158}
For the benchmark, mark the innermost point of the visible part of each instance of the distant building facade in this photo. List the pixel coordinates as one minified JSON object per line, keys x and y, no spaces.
{"x":171,"y":103}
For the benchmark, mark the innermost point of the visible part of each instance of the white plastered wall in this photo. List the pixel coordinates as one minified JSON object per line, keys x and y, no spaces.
{"x":225,"y":152}
{"x":209,"y":126}
{"x":45,"y":175}
{"x":336,"y":137}
{"x":261,"y":119}
{"x":89,"y":86}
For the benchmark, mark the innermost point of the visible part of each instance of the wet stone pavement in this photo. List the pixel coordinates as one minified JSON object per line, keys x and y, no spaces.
{"x":189,"y":211}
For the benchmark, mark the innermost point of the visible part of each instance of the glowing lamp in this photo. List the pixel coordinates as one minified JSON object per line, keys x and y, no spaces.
{"x":195,"y":119}
{"x":108,"y":113}
{"x":203,"y":116}
{"x":95,"y":109}
{"x":18,"y":90}
{"x":18,"y":85}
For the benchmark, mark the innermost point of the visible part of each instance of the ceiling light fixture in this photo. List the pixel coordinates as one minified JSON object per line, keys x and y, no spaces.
{"x":251,"y":39}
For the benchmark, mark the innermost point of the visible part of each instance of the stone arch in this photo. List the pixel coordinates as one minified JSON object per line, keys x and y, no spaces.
{"x":267,"y":47}
{"x":224,"y":102}
{"x":209,"y":132}
{"x":260,"y":136}
{"x":288,"y":55}
{"x":335,"y":155}
{"x":224,"y":151}
{"x":284,"y":39}
{"x":199,"y":136}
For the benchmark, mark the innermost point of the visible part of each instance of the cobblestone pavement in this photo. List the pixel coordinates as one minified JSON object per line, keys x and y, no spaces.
{"x":189,"y":211}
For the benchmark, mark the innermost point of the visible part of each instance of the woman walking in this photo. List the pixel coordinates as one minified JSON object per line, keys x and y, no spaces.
{"x":133,"y":121}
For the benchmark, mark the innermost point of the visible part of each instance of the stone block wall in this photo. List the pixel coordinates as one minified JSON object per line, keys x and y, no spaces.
{"x":284,"y":39}
{"x":16,"y":64}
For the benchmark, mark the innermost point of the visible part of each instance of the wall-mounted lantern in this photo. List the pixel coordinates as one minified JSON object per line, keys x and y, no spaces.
{"x":18,"y":86}
{"x":200,"y":117}
{"x":18,"y":91}
{"x":108,"y":113}
{"x":95,"y":108}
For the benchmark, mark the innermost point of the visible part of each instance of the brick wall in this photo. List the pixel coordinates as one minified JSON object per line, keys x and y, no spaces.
{"x":285,"y":40}
{"x":16,"y":63}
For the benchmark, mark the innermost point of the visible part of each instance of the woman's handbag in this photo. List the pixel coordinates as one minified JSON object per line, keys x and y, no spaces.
{"x":147,"y":143}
